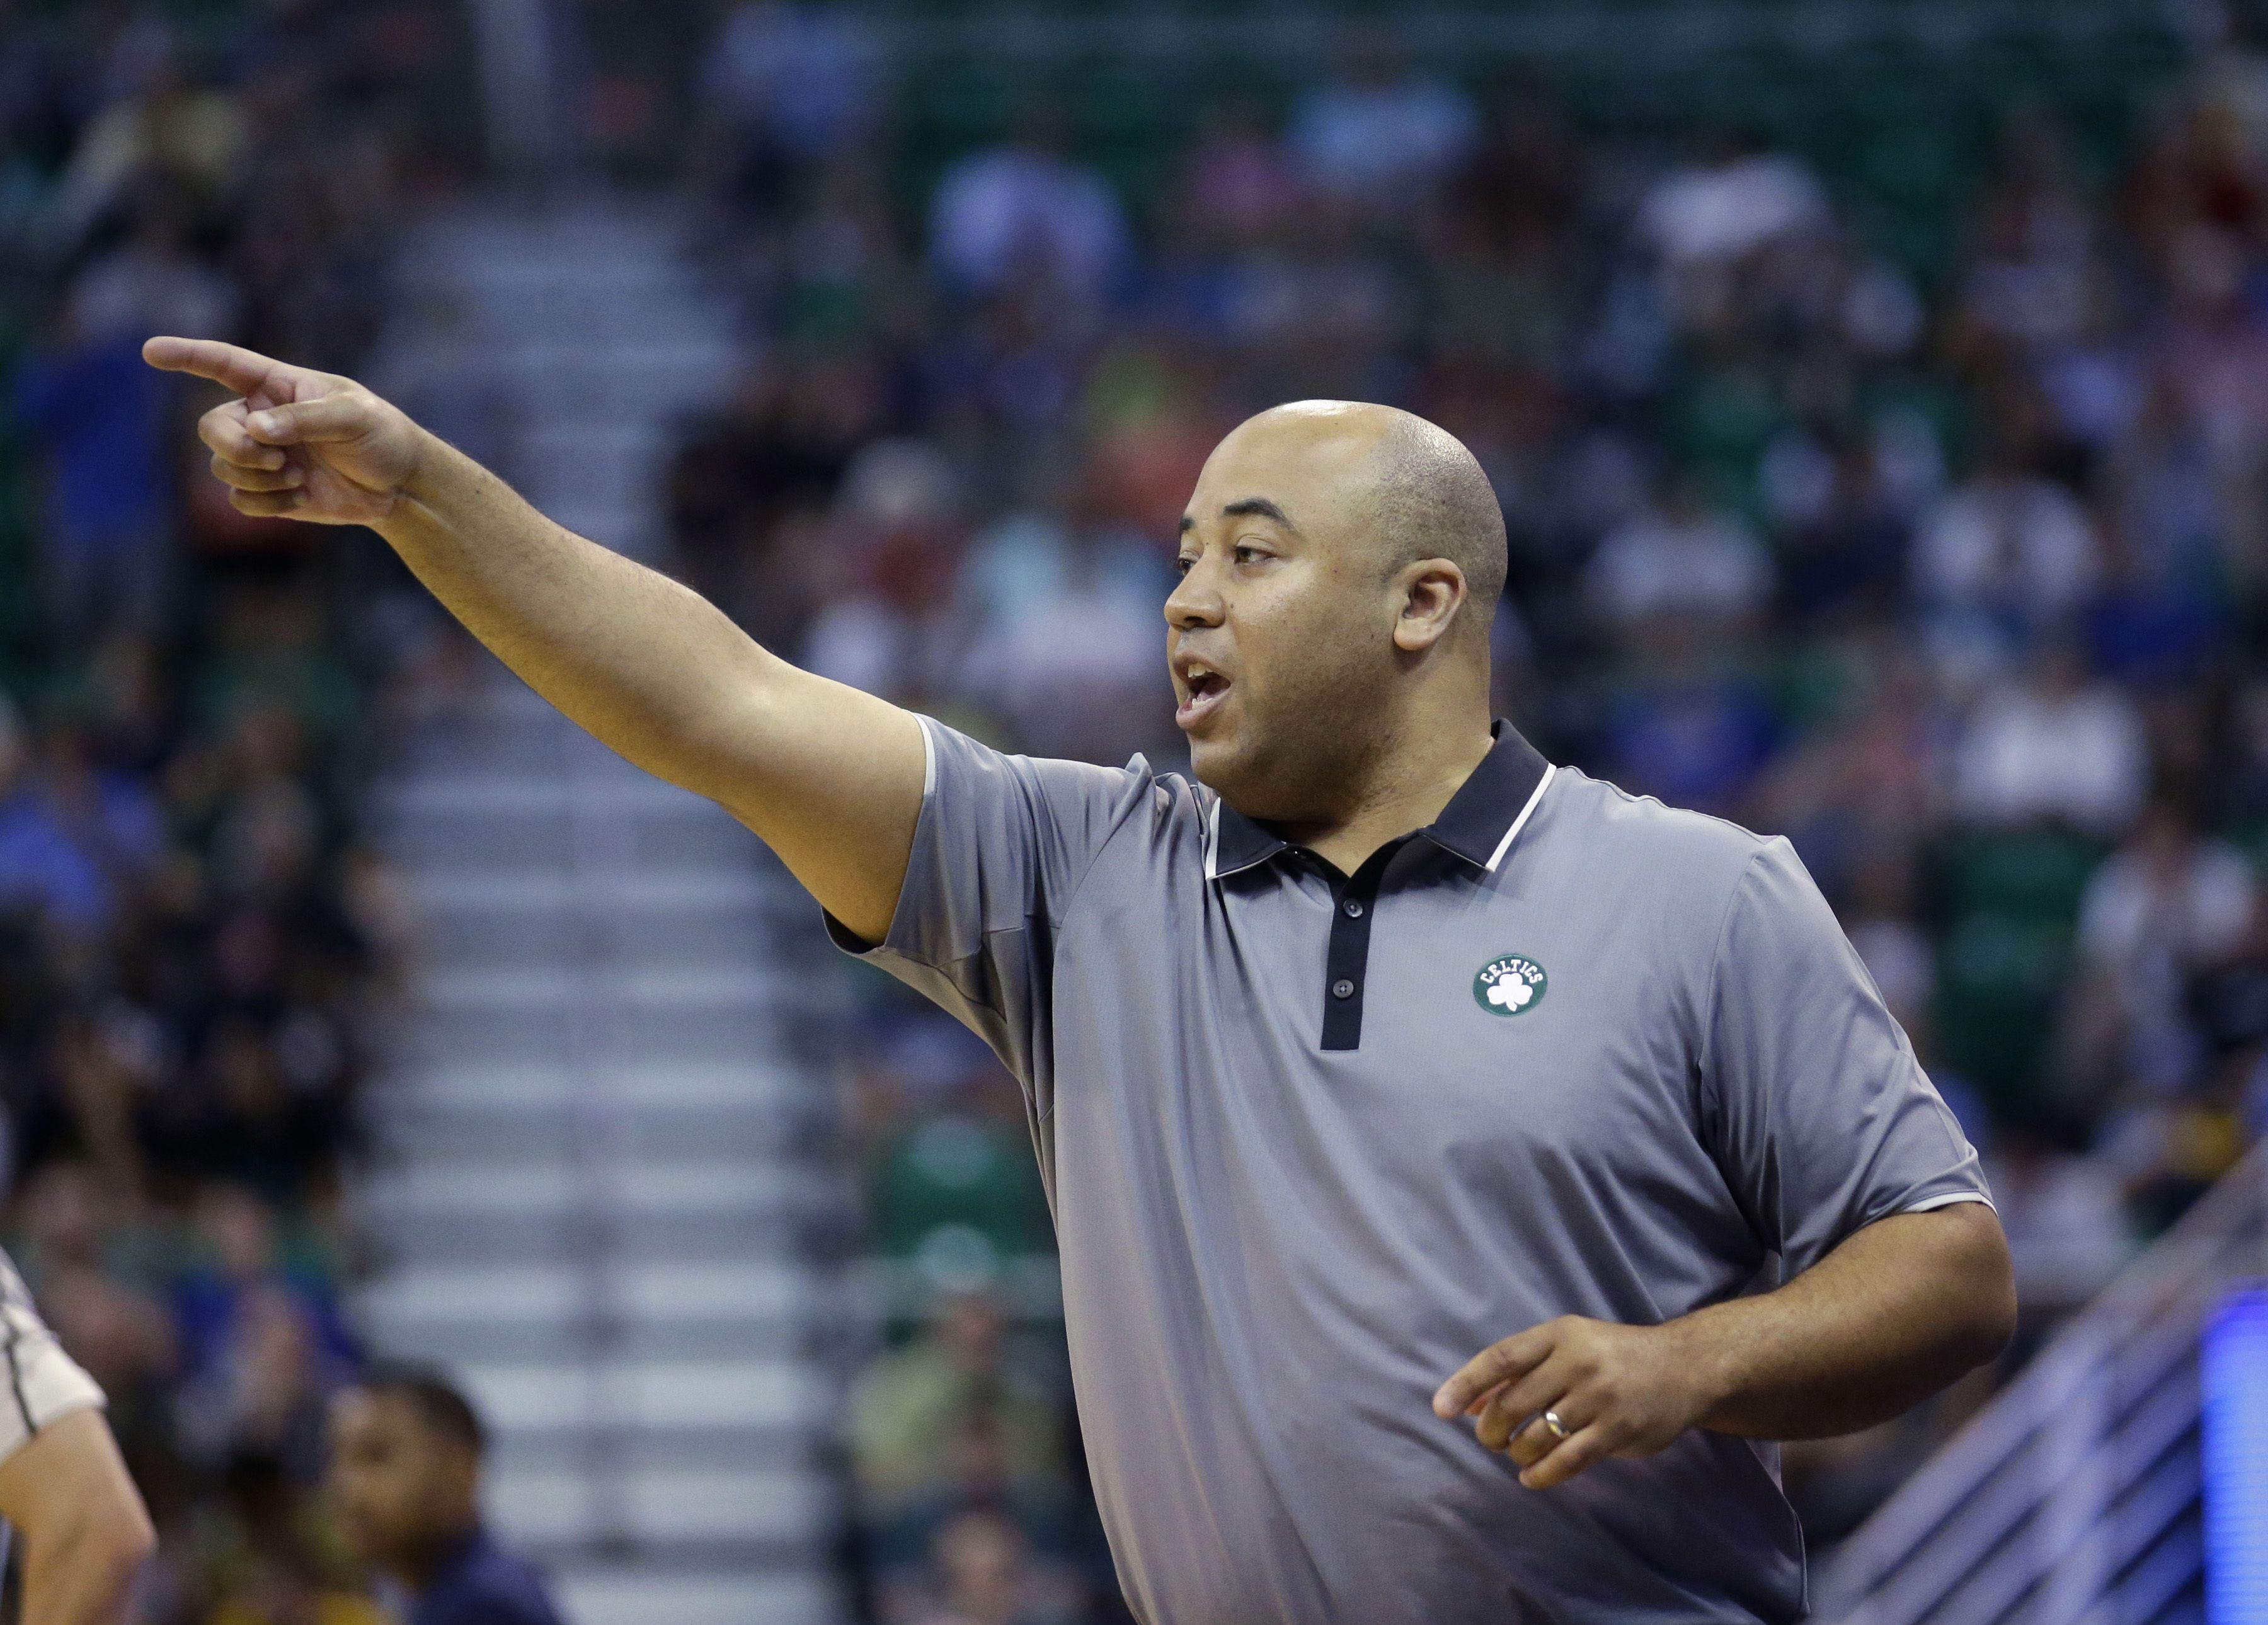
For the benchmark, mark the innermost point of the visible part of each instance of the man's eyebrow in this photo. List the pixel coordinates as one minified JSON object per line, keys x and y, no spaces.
{"x":1260,"y":506}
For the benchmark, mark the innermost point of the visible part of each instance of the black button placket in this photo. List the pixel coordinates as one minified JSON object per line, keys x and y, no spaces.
{"x":1354,"y":901}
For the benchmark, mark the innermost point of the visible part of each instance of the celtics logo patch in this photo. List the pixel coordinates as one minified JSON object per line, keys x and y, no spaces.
{"x":1511,"y":984}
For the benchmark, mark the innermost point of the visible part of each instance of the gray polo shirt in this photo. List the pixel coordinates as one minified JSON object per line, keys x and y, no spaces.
{"x":1313,"y":1140}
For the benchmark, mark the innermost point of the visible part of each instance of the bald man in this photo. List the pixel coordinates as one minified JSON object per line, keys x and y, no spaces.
{"x":1462,"y":1170}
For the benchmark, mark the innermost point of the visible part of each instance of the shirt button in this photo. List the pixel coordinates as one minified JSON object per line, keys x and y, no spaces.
{"x":1343,"y":988}
{"x":1354,"y":908}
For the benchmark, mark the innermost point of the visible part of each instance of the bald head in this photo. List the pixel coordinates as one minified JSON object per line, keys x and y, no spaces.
{"x":1430,"y":500}
{"x":1409,"y":488}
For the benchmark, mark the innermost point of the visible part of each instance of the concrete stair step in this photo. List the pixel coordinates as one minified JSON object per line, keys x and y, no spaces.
{"x":550,"y":1179}
{"x":609,"y":1595}
{"x":568,"y":1300}
{"x":755,"y":1085}
{"x":631,"y":1236}
{"x":653,"y":378}
{"x":714,"y":1035}
{"x":694,"y":990}
{"x":662,"y":1507}
{"x":690,"y":887}
{"x":561,"y":937}
{"x":653,"y":1395}
{"x":549,"y":841}
{"x":452,"y":1343}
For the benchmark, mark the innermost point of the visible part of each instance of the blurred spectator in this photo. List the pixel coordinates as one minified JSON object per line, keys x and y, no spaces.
{"x":2007,"y":547}
{"x":1380,"y":134}
{"x":954,"y":1418}
{"x":983,"y":1574}
{"x":406,"y":1450}
{"x":261,"y":1346}
{"x":1070,"y":662}
{"x":2066,"y":1218}
{"x":71,"y":836}
{"x":1707,"y":223}
{"x":797,"y":78}
{"x":96,"y":413}
{"x":2049,"y":744}
{"x":1678,"y":562}
{"x":2167,"y":907}
{"x":1026,"y":214}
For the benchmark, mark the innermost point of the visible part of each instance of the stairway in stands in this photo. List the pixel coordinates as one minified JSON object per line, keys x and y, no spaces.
{"x":2077,"y":1497}
{"x":591,"y":1183}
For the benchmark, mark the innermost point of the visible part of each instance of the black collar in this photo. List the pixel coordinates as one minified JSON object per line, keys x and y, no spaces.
{"x":1478,"y":823}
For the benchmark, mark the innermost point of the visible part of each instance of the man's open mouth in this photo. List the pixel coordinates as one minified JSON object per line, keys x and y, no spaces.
{"x":1204,"y":689}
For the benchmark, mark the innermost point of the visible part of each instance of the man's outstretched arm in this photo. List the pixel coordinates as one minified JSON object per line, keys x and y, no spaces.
{"x":829,"y":778}
{"x":1896,"y":1313}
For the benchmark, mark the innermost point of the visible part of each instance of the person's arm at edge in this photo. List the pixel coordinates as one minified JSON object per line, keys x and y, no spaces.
{"x":829,"y":778}
{"x":1898,"y":1311}
{"x":85,"y":1534}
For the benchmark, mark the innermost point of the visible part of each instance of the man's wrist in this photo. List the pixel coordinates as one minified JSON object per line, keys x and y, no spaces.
{"x":1705,"y":1356}
{"x":428,"y":450}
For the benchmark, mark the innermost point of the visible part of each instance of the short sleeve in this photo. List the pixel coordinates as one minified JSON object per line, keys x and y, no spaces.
{"x":1001,"y":846}
{"x":1814,"y":1102}
{"x":42,"y":1384}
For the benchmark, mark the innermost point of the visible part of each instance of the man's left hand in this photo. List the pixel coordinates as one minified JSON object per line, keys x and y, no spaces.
{"x":1614,"y":1390}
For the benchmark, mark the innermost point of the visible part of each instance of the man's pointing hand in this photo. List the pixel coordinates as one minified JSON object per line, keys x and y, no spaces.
{"x":1614,"y":1390}
{"x":296,"y":444}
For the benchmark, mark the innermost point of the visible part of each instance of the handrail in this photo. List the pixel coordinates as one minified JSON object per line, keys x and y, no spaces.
{"x":2098,"y":1430}
{"x":1672,"y":35}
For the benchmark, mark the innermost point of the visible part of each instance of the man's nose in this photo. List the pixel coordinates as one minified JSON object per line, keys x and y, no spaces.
{"x":1193,"y":602}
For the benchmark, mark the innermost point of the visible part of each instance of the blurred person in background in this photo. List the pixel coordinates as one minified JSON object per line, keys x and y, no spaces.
{"x":953,"y":1418}
{"x":981,"y":1572}
{"x":404,"y":1482}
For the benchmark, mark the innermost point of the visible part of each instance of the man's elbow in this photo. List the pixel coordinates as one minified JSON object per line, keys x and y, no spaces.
{"x":90,"y":1561}
{"x":130,"y":1542}
{"x":105,"y":1560}
{"x":1983,"y":1281}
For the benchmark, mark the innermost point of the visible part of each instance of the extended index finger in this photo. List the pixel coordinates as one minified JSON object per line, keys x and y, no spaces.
{"x":1499,"y":1362}
{"x":232,"y":366}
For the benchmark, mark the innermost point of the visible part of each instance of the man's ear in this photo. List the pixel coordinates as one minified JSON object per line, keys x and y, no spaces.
{"x":1431,"y":592}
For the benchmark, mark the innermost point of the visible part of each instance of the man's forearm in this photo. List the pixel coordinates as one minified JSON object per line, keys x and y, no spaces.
{"x":649,"y":667}
{"x":85,"y":1535}
{"x":1894,"y":1313}
{"x":84,"y":1576}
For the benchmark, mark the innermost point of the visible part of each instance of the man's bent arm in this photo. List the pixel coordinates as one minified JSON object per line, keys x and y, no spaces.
{"x":85,"y":1534}
{"x":1894,"y":1313}
{"x":829,"y":778}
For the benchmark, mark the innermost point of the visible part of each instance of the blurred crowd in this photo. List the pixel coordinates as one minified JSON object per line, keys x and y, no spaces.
{"x":193,"y":939}
{"x":1950,"y":567}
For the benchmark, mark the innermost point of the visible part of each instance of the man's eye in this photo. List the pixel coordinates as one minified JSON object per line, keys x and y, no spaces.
{"x":1183,"y":564}
{"x":1246,"y":555}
